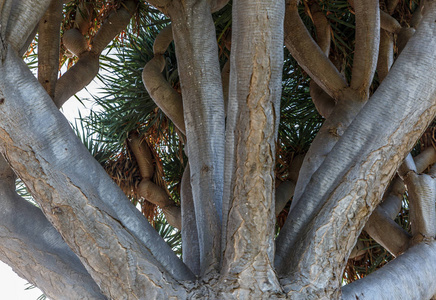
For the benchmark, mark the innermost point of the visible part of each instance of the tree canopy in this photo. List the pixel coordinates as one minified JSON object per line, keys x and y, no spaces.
{"x":240,"y":150}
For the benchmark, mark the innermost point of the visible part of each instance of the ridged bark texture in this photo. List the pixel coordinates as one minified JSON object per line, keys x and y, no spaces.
{"x":253,"y":116}
{"x":203,"y":104}
{"x":77,"y":195}
{"x":35,"y":250}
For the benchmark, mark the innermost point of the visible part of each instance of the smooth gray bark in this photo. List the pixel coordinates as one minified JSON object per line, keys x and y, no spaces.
{"x":19,"y":19}
{"x":410,"y":276}
{"x":77,"y":195}
{"x":35,"y":250}
{"x":203,"y":104}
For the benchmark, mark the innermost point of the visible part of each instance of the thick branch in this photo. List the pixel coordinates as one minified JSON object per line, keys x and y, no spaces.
{"x":254,"y":104}
{"x":283,"y":194}
{"x":35,"y":250}
{"x":76,"y":78}
{"x":48,"y":46}
{"x":203,"y":105}
{"x":363,"y":158}
{"x":389,"y":23}
{"x":367,"y":44}
{"x":422,"y":195}
{"x":113,"y":25}
{"x":409,"y":276}
{"x":308,"y":54}
{"x":84,"y":204}
{"x":21,"y":20}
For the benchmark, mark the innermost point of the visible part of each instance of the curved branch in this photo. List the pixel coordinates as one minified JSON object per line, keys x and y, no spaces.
{"x":389,"y":23}
{"x":77,"y":195}
{"x":48,"y":47}
{"x":113,"y":25}
{"x":324,"y":104}
{"x":162,"y":93}
{"x":308,"y":54}
{"x":84,"y":71}
{"x":409,"y":276}
{"x":76,"y":78}
{"x":44,"y":259}
{"x":149,"y":190}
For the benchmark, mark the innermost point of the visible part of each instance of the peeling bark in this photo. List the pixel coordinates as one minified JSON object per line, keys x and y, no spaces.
{"x":251,"y":133}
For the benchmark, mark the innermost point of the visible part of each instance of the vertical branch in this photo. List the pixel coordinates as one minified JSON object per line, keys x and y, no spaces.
{"x":363,"y":158}
{"x":190,"y":246}
{"x":323,"y":102}
{"x":256,"y":65}
{"x":367,"y":43}
{"x":354,"y":98}
{"x":200,"y":80}
{"x":48,"y":46}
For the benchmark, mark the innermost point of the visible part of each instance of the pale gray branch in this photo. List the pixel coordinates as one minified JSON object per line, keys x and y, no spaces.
{"x":409,"y":276}
{"x":387,"y":233}
{"x":203,"y":105}
{"x":190,"y":246}
{"x":35,"y":250}
{"x":78,"y":196}
{"x":343,"y":185}
{"x":22,"y":17}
